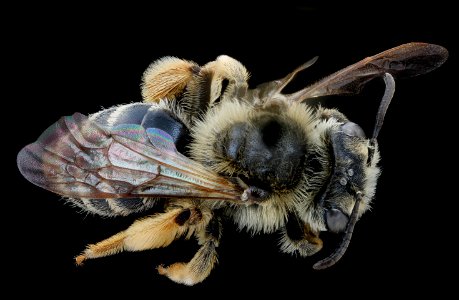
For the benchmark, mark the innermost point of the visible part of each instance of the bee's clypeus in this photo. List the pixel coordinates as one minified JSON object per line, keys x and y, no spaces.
{"x":263,"y":159}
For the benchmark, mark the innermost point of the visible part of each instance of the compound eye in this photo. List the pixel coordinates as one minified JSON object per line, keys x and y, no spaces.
{"x":352,"y":129}
{"x":336,"y":220}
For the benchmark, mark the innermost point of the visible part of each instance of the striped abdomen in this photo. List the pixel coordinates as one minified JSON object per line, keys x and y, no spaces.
{"x":114,"y":207}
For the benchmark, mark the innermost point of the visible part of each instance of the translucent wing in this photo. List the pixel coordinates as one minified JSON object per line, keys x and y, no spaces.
{"x":76,"y":157}
{"x":406,"y":60}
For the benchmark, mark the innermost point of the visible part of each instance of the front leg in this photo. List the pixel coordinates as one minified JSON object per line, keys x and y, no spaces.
{"x":200,"y":266}
{"x":298,"y":237}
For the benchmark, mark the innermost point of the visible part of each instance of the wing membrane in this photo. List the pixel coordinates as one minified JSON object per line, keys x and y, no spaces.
{"x":406,"y":60}
{"x":76,"y":157}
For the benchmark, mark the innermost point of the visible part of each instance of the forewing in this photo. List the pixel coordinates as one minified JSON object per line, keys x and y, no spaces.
{"x":406,"y":60}
{"x":76,"y":157}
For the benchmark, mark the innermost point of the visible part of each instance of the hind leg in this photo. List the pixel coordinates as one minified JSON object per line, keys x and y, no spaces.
{"x":149,"y":233}
{"x":200,"y":266}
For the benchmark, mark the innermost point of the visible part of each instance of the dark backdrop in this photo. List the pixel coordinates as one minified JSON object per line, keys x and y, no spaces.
{"x":66,"y":59}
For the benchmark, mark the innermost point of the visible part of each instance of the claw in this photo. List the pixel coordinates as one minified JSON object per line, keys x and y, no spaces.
{"x":180,"y":273}
{"x":80,"y":259}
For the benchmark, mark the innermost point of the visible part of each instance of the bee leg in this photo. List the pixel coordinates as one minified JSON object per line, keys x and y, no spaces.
{"x":200,"y":266}
{"x":195,"y":87}
{"x":225,"y":67}
{"x":206,"y":86}
{"x":148,"y":233}
{"x":298,"y":237}
{"x":167,"y":78}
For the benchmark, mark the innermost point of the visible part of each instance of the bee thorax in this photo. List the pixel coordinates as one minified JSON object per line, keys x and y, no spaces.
{"x":269,"y":150}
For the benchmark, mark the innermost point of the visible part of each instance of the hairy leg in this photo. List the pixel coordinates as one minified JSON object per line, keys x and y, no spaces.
{"x":200,"y":266}
{"x":297,"y":237}
{"x":151,"y":232}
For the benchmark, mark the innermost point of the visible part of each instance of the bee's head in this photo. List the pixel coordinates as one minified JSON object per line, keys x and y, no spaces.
{"x":352,"y":164}
{"x":354,"y":173}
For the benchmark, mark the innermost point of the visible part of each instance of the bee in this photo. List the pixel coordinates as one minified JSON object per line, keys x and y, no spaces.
{"x":204,"y":147}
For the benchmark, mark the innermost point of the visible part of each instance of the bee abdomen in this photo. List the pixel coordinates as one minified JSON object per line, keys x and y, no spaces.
{"x":148,"y":116}
{"x":114,"y":207}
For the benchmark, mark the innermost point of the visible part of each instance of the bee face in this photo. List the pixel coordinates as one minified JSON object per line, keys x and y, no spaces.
{"x":354,"y":170}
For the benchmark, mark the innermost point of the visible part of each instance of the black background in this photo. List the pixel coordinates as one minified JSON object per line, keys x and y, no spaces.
{"x":60,"y":60}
